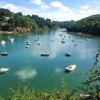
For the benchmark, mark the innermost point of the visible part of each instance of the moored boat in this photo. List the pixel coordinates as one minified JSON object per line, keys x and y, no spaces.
{"x":70,"y":68}
{"x":4,"y":54}
{"x":3,"y":42}
{"x":44,"y":54}
{"x":62,"y":41}
{"x":27,"y":46}
{"x":85,"y":97}
{"x":75,"y":44}
{"x":3,"y":70}
{"x":28,"y":42}
{"x":12,"y":40}
{"x":68,"y":54}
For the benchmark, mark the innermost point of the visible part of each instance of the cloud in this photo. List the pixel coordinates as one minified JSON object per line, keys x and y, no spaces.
{"x":44,"y":6}
{"x":9,"y":6}
{"x":62,"y":12}
{"x":96,"y":1}
{"x":85,"y":7}
{"x":16,"y":9}
{"x":86,"y":10}
{"x":89,"y":11}
{"x":56,"y":4}
{"x":61,"y":7}
{"x":55,"y":10}
{"x":40,"y":3}
{"x":27,"y":73}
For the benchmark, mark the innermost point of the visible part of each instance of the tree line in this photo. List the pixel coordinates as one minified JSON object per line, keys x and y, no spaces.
{"x":89,"y":25}
{"x":10,"y":20}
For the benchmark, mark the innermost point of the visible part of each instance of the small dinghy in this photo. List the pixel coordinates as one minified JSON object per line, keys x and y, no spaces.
{"x":70,"y":68}
{"x":45,"y":54}
{"x":27,"y":46}
{"x":73,"y":41}
{"x":39,"y":43}
{"x":85,"y":97}
{"x":12,"y":40}
{"x":3,"y":70}
{"x":62,"y":41}
{"x":68,"y":54}
{"x":28,"y":42}
{"x":75,"y":44}
{"x":69,"y":37}
{"x":4,"y":54}
{"x":3,"y":42}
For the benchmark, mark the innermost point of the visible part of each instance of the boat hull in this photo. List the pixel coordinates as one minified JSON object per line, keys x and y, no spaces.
{"x":70,"y":68}
{"x":45,"y":55}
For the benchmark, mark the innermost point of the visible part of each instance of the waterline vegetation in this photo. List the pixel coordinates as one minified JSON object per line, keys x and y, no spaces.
{"x":91,"y":86}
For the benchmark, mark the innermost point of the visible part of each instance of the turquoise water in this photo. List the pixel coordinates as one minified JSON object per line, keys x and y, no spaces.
{"x":28,"y":67}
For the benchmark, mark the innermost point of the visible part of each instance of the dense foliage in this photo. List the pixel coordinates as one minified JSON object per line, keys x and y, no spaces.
{"x":25,"y":93}
{"x":89,"y":25}
{"x":10,"y":21}
{"x":92,"y":84}
{"x":66,"y":24}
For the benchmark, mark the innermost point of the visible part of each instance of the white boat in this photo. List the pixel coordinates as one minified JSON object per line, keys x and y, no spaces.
{"x":12,"y":40}
{"x":70,"y":68}
{"x":27,"y":46}
{"x":3,"y":70}
{"x":3,"y":42}
{"x":85,"y":97}
{"x":4,"y":54}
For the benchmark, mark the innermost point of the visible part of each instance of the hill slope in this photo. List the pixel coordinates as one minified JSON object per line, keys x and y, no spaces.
{"x":87,"y":25}
{"x":10,"y":21}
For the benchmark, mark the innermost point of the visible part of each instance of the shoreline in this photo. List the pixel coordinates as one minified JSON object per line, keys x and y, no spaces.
{"x":83,"y":34}
{"x":7,"y":32}
{"x":16,"y":30}
{"x":21,"y":31}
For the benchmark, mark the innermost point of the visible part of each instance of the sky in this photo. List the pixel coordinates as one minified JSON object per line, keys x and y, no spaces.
{"x":58,"y":10}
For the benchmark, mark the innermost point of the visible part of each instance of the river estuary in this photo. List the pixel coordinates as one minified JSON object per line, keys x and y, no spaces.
{"x":27,"y":66}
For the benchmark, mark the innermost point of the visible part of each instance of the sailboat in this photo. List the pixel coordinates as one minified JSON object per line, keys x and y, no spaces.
{"x":3,"y":70}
